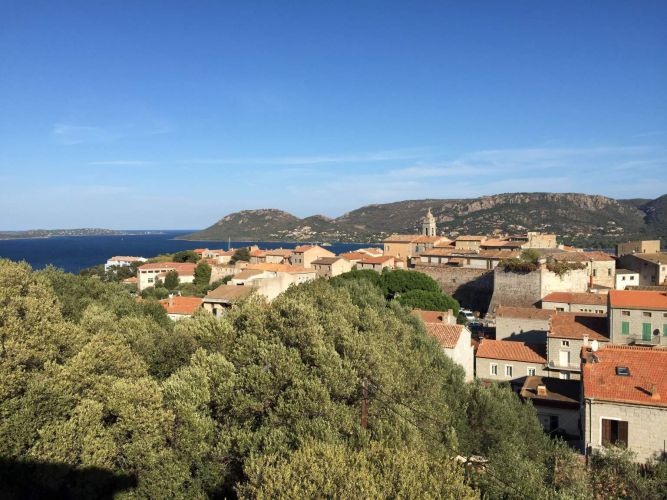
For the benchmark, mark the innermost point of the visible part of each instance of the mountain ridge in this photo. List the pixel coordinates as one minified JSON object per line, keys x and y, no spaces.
{"x":590,"y":220}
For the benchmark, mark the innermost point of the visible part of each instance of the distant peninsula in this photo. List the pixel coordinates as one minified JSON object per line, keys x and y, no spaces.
{"x":50,"y":233}
{"x":579,"y":219}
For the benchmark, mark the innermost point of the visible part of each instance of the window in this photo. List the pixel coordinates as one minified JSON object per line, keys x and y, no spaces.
{"x":614,"y":432}
{"x":625,"y":327}
{"x":531,"y":371}
{"x":646,"y":314}
{"x":560,"y":309}
{"x":595,"y":272}
{"x":625,"y":313}
{"x":150,"y":280}
{"x":564,"y":375}
{"x":599,"y":311}
{"x":508,"y":370}
{"x":494,"y":369}
{"x":565,"y":343}
{"x":608,"y":272}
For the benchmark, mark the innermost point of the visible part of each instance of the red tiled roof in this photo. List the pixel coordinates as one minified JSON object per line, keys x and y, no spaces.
{"x":376,"y":260}
{"x":646,"y":384}
{"x":182,"y":268}
{"x":401,"y":238}
{"x":278,"y":268}
{"x":446,"y":335}
{"x":512,"y":351}
{"x":281,"y":252}
{"x":181,"y":305}
{"x":524,"y":312}
{"x":566,"y":325}
{"x":132,"y":279}
{"x":470,"y":238}
{"x":354,"y":255}
{"x":594,"y":299}
{"x":582,"y":256}
{"x":638,"y":299}
{"x":431,"y":316}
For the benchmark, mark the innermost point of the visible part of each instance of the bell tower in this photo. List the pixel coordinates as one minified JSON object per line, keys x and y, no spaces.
{"x":428,"y":224}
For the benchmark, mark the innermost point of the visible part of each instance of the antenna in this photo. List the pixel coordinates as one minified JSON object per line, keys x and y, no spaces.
{"x":595,"y":345}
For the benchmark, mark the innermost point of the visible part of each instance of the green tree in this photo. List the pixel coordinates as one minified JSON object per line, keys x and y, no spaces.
{"x":530,"y":255}
{"x":429,"y":301}
{"x":241,"y":254}
{"x":155,"y":292}
{"x":171,"y":280}
{"x":185,"y":256}
{"x":400,"y":281}
{"x":202,"y":274}
{"x":358,"y":274}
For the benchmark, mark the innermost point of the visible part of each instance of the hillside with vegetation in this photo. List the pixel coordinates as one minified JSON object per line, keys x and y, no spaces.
{"x":586,"y":220}
{"x":103,"y":395}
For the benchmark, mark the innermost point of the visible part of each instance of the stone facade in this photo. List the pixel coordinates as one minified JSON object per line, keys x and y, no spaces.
{"x":647,"y":425}
{"x":471,"y":287}
{"x":630,"y":247}
{"x":531,"y":330}
{"x":569,"y":307}
{"x":635,"y":320}
{"x":652,"y":268}
{"x":563,"y":356}
{"x":519,"y":370}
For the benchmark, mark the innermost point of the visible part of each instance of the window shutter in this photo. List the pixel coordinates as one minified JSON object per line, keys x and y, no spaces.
{"x":623,"y":433}
{"x":606,"y":432}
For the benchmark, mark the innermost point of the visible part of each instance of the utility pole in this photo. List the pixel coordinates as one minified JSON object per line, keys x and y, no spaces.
{"x":364,"y":404}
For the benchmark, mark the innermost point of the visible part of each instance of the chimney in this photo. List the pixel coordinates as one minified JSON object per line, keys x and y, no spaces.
{"x":541,"y":390}
{"x":449,"y":317}
{"x":655,"y":395}
{"x":585,"y":340}
{"x":171,"y":300}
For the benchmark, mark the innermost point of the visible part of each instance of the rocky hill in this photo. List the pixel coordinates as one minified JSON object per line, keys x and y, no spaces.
{"x":588,"y":220}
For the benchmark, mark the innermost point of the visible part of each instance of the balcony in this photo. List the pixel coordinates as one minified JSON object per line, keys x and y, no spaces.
{"x":639,"y":340}
{"x":571,"y":367}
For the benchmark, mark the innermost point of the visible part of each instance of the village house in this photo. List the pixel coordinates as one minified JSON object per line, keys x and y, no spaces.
{"x":652,"y":267}
{"x":625,"y":278}
{"x":625,"y":399}
{"x":468,"y":242}
{"x":576,"y":302}
{"x":454,"y":339}
{"x":149,"y":274}
{"x":638,"y":317}
{"x":371,"y":251}
{"x":178,"y":307}
{"x":509,"y":361}
{"x":328,"y":267}
{"x":600,"y":266}
{"x":270,"y":280}
{"x":257,"y":256}
{"x":121,"y":261}
{"x":377,"y":263}
{"x":469,"y":259}
{"x":305,"y":255}
{"x":224,"y":297}
{"x":526,"y":324}
{"x":354,"y":257}
{"x":556,"y":403}
{"x":568,"y":334}
{"x":642,"y":246}
{"x":278,"y":256}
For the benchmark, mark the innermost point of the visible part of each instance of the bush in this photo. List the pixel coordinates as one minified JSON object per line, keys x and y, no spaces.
{"x":186,"y":256}
{"x":157,"y":293}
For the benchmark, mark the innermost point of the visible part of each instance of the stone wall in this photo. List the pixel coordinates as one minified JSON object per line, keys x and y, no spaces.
{"x":471,"y":287}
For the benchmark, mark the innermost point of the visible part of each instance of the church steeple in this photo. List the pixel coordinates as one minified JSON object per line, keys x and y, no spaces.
{"x":428,"y":224}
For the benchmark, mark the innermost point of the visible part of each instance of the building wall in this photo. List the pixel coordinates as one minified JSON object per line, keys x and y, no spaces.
{"x":467,"y":245}
{"x":555,"y":347}
{"x":219,"y":272}
{"x":148,"y":277}
{"x":649,"y":273}
{"x":636,"y":319}
{"x":464,"y":354}
{"x":567,"y":307}
{"x":515,"y":289}
{"x":645,"y":246}
{"x":533,"y":331}
{"x":602,"y":272}
{"x":571,"y":281}
{"x":471,"y":287}
{"x":568,"y":418}
{"x":398,"y":250}
{"x":313,"y":254}
{"x":519,"y":370}
{"x":624,"y":280}
{"x":539,"y":240}
{"x":647,"y":426}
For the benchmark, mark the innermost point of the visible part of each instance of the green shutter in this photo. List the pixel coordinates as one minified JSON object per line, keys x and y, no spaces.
{"x":625,"y":327}
{"x":664,"y":329}
{"x":646,"y":331}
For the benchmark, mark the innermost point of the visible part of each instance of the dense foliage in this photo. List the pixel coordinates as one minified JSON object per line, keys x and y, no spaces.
{"x":264,"y":402}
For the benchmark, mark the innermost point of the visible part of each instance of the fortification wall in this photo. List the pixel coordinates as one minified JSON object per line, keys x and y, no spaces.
{"x":471,"y":287}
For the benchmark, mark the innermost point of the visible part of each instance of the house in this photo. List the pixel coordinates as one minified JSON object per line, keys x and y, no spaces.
{"x":652,"y":267}
{"x":270,"y":280}
{"x":371,"y":251}
{"x":178,"y":307}
{"x":645,"y":246}
{"x":625,"y":278}
{"x":327,"y":267}
{"x":469,"y":259}
{"x":278,"y":256}
{"x":526,"y":324}
{"x":638,"y":317}
{"x":376,"y":263}
{"x":224,"y":297}
{"x":121,"y":261}
{"x":600,"y":266}
{"x":354,"y":257}
{"x":509,"y":361}
{"x":568,"y":334}
{"x":454,"y":339}
{"x":625,"y":399}
{"x":305,"y":255}
{"x":257,"y":256}
{"x":501,"y":244}
{"x":469,"y":242}
{"x":148,"y":274}
{"x":576,"y":302}
{"x":556,"y":403}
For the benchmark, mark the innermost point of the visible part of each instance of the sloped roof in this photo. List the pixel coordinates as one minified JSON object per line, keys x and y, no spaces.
{"x":557,"y":390}
{"x":181,"y":305}
{"x":582,"y":256}
{"x":566,"y":325}
{"x":229,"y":293}
{"x":182,"y":268}
{"x":401,"y":238}
{"x":593,"y":299}
{"x":376,"y":260}
{"x":327,"y":261}
{"x":524,"y":313}
{"x":446,"y":335}
{"x":646,"y":383}
{"x":655,"y":258}
{"x":512,"y":351}
{"x":278,"y":268}
{"x":638,"y":299}
{"x":430,"y":316}
{"x":353,"y":255}
{"x":126,"y":258}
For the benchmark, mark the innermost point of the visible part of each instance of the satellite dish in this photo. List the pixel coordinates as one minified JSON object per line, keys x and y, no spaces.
{"x":595,"y":345}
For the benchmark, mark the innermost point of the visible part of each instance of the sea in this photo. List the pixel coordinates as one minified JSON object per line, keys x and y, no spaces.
{"x":74,"y":253}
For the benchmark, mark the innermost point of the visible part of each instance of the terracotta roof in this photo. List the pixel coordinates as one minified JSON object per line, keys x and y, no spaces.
{"x":594,"y":299}
{"x":353,"y":255}
{"x":497,"y":254}
{"x":327,"y":261}
{"x":256,"y":252}
{"x":524,"y":313}
{"x":200,"y":250}
{"x":655,"y":258}
{"x":646,"y":383}
{"x":377,"y":260}
{"x":431,"y":316}
{"x":181,"y":305}
{"x":501,"y":243}
{"x":281,"y":252}
{"x":446,"y":335}
{"x":638,"y":299}
{"x":182,"y":268}
{"x":131,"y":280}
{"x":278,"y":268}
{"x":471,"y":238}
{"x":427,"y":239}
{"x":125,"y":258}
{"x":401,"y":238}
{"x":371,"y":250}
{"x":512,"y":351}
{"x":440,"y":251}
{"x":567,"y":325}
{"x":228,"y":293}
{"x":582,"y":256}
{"x":557,"y":390}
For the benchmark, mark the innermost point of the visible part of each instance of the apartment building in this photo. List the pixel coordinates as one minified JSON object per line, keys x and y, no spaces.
{"x":638,"y":317}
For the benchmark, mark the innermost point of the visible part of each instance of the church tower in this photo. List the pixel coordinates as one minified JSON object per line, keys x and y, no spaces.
{"x":428,"y":224}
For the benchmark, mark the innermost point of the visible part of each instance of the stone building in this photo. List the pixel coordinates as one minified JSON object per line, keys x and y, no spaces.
{"x":600,"y":266}
{"x":149,"y":274}
{"x":509,"y":361}
{"x":576,"y":302}
{"x":428,"y":224}
{"x":625,"y":399}
{"x":328,"y":267}
{"x":652,"y":267}
{"x":556,"y":403}
{"x":525,"y":324}
{"x":642,"y":246}
{"x":638,"y":317}
{"x":304,"y":255}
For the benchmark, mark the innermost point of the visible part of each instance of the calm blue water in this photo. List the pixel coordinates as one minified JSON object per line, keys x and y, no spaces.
{"x":75,"y":253}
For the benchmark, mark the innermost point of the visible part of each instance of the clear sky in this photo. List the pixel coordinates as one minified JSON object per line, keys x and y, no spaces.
{"x":166,"y":114}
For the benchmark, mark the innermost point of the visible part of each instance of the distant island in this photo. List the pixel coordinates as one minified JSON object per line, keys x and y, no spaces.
{"x":49,"y":233}
{"x":579,"y":219}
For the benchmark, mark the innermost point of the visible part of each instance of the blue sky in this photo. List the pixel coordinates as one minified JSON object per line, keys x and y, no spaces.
{"x":172,"y":114}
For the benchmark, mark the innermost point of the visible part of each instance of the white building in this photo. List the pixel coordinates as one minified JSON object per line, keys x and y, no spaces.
{"x":148,"y":274}
{"x":121,"y":261}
